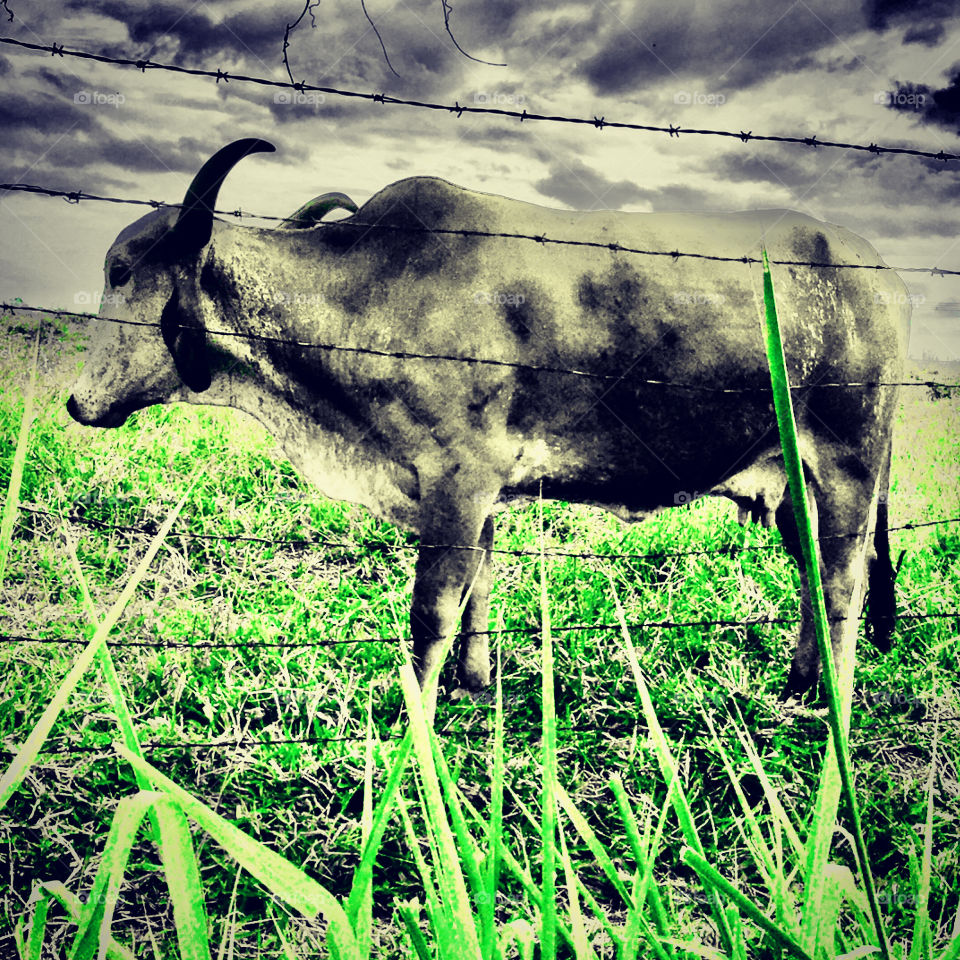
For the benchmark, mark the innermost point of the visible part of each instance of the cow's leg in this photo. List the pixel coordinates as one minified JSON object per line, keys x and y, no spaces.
{"x":444,"y":568}
{"x":882,"y":576}
{"x":840,"y":507}
{"x":473,"y":671}
{"x":806,"y":657}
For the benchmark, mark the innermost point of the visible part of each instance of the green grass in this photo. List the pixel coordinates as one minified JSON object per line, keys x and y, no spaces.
{"x":304,"y":800}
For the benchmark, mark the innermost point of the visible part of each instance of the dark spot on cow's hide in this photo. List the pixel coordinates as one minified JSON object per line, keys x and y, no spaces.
{"x":519,"y":317}
{"x":390,"y":237}
{"x":619,"y":294}
{"x":217,"y":283}
{"x":810,"y":245}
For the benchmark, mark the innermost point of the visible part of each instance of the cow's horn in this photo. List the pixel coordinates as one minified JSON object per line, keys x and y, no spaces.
{"x":195,"y":223}
{"x":316,"y":209}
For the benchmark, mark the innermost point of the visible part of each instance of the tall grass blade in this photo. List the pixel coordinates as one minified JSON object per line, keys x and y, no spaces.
{"x":183,"y":880}
{"x":488,"y":904}
{"x":93,"y":932}
{"x":27,"y":753}
{"x":525,"y":877}
{"x":922,"y":946}
{"x":38,"y":929}
{"x":713,"y":880}
{"x":798,"y":495}
{"x":470,"y":857}
{"x":606,"y":864}
{"x":281,"y":877}
{"x":453,"y":890}
{"x":362,"y":922}
{"x":409,"y":918}
{"x":54,"y":889}
{"x":644,"y":854}
{"x":117,"y":698}
{"x":440,"y":919}
{"x":548,"y":913}
{"x":581,"y":946}
{"x":12,"y":502}
{"x":363,"y":875}
{"x":669,"y":769}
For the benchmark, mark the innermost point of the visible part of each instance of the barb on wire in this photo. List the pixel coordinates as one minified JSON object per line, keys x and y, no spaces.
{"x":616,"y":378}
{"x":75,"y":196}
{"x":670,"y":130}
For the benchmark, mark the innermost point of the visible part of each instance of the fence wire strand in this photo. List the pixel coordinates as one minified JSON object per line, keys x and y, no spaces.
{"x":626,"y":379}
{"x":75,"y":196}
{"x":598,"y":123}
{"x":730,"y":550}
{"x":531,"y":631}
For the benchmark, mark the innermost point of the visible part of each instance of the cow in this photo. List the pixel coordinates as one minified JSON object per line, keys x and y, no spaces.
{"x":433,"y":368}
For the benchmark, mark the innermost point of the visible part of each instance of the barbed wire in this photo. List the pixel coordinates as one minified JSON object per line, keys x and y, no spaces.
{"x":598,"y":123}
{"x":731,"y":550}
{"x":617,"y":378}
{"x":75,"y":196}
{"x":501,"y":631}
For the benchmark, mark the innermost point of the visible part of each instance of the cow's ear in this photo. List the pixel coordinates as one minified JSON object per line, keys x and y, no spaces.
{"x":186,"y":339}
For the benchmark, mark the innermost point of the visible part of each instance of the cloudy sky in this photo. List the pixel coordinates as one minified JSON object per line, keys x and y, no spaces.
{"x":883,"y":71}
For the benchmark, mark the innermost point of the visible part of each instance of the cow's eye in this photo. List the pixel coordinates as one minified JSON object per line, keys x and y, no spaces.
{"x":119,"y":275}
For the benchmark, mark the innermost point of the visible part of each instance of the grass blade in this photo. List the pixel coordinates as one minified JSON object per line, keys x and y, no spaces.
{"x":714,"y":881}
{"x":449,"y":875}
{"x":798,"y":495}
{"x":183,"y":879}
{"x":27,"y":753}
{"x":12,"y":502}
{"x":71,"y":903}
{"x":488,"y":904}
{"x":281,"y":877}
{"x":669,"y":769}
{"x":93,"y":933}
{"x":548,"y":913}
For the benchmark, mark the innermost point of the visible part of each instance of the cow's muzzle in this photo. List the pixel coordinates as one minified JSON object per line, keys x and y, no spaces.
{"x":115,"y":417}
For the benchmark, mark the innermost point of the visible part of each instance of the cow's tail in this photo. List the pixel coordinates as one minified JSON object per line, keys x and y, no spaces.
{"x":881,"y":598}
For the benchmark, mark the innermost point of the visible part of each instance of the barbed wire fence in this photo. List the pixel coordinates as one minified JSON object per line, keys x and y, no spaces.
{"x":599,"y":124}
{"x":458,"y":109}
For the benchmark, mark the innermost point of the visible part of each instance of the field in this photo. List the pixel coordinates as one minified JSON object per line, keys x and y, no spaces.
{"x":248,"y":664}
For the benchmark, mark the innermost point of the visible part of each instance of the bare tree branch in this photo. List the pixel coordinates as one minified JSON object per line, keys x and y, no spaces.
{"x":307,"y":8}
{"x":377,"y":32}
{"x":447,"y":10}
